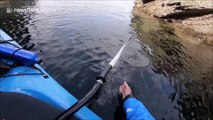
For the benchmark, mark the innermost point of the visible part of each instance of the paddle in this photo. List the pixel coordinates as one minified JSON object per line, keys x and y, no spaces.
{"x":100,"y":81}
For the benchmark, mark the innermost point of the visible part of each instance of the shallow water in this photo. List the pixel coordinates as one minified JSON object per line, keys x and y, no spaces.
{"x":76,"y":40}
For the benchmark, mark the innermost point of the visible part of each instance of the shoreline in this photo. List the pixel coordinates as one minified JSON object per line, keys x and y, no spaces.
{"x":198,"y":25}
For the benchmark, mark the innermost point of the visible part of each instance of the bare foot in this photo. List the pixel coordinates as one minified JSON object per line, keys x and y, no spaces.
{"x":125,"y":90}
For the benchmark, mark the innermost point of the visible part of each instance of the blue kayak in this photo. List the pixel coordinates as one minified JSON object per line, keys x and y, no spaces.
{"x":44,"y":89}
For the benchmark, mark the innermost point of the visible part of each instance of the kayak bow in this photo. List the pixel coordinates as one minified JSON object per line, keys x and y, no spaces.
{"x":20,"y":80}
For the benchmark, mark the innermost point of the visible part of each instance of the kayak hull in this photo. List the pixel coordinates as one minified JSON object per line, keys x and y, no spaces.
{"x":46,"y":89}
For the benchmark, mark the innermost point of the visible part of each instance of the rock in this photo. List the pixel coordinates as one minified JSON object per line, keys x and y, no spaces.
{"x":156,"y":16}
{"x":177,"y":8}
{"x":195,"y":15}
{"x":139,"y":3}
{"x":168,"y":20}
{"x":162,"y":5}
{"x":146,"y":1}
{"x":173,"y":3}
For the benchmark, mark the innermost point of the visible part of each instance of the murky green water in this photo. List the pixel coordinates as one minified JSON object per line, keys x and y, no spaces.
{"x":187,"y":65}
{"x":76,"y":39}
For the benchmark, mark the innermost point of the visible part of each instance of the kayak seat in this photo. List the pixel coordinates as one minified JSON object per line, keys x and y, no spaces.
{"x":16,"y":106}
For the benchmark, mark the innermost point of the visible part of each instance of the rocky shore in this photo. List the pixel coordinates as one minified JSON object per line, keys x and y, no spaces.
{"x":192,"y":17}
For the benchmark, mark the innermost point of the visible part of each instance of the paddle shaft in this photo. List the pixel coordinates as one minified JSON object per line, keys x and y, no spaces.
{"x":78,"y":105}
{"x":100,"y":81}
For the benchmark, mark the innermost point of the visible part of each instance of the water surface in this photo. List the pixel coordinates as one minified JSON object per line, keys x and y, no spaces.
{"x":77,"y":39}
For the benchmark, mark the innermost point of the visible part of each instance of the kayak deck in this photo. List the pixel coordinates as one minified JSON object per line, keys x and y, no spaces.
{"x":31,"y":83}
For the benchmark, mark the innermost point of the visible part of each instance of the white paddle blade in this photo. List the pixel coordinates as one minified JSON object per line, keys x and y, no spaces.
{"x":118,"y":55}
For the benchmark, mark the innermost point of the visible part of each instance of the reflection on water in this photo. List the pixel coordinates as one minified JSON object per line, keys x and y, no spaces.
{"x":17,"y":23}
{"x":187,"y":66}
{"x":77,"y":39}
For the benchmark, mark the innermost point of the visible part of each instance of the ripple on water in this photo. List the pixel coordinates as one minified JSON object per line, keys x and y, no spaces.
{"x":79,"y":38}
{"x":134,"y":56}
